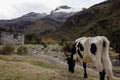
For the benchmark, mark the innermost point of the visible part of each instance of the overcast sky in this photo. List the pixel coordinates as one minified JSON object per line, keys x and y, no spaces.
{"x":15,"y":8}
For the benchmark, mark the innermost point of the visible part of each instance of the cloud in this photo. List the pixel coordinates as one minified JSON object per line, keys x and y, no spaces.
{"x":23,"y":8}
{"x":81,"y":3}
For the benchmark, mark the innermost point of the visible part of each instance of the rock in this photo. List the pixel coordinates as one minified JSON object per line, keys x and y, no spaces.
{"x":115,"y":62}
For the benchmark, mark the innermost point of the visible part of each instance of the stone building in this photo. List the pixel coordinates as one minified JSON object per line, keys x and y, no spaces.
{"x":14,"y":38}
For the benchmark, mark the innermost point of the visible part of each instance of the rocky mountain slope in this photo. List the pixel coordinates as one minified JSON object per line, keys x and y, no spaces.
{"x":39,"y":23}
{"x":100,"y":19}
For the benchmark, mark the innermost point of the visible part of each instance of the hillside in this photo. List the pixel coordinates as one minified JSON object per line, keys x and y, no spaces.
{"x":100,"y":19}
{"x":32,"y":24}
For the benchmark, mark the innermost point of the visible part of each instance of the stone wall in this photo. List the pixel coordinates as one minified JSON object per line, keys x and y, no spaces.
{"x":11,"y":38}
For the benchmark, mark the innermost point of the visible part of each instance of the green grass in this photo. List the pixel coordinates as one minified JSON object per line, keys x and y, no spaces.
{"x":29,"y":59}
{"x":91,"y":76}
{"x":44,"y":65}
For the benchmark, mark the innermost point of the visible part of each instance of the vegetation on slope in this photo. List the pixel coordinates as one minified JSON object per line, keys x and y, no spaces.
{"x":100,"y":19}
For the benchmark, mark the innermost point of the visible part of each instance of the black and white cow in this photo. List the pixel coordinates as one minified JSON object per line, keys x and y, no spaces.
{"x":95,"y":49}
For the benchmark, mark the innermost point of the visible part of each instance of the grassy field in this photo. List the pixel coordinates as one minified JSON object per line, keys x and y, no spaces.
{"x":14,"y":67}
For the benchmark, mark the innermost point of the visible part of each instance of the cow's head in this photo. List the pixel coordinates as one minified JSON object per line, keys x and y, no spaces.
{"x":70,"y":60}
{"x":71,"y":64}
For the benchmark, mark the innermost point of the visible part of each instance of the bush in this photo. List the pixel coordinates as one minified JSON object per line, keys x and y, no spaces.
{"x":7,"y":50}
{"x":22,"y":50}
{"x":115,"y":40}
{"x":32,"y":39}
{"x":68,"y":47}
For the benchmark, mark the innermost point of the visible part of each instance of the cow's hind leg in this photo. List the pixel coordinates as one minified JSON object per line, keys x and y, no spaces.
{"x":85,"y":71}
{"x":102,"y":75}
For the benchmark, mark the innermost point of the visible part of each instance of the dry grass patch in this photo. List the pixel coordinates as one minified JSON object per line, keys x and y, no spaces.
{"x":14,"y":67}
{"x":25,"y":71}
{"x":20,"y":68}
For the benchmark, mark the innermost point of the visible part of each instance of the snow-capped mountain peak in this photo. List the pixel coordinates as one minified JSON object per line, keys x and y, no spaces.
{"x":63,"y":12}
{"x":65,"y":8}
{"x":62,"y":7}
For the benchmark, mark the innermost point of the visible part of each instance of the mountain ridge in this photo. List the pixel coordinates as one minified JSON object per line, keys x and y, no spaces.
{"x":38,"y":23}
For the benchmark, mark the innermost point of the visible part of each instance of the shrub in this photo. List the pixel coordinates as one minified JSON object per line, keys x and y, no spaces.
{"x":68,"y":47}
{"x":32,"y":39}
{"x":115,"y":40}
{"x":22,"y":50}
{"x":7,"y":50}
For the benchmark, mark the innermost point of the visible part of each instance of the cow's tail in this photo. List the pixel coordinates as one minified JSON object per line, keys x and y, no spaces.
{"x":106,"y":59}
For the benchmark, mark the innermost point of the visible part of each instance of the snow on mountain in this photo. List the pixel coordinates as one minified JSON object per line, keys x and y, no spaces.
{"x":33,"y":15}
{"x":63,"y":12}
{"x":67,"y":10}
